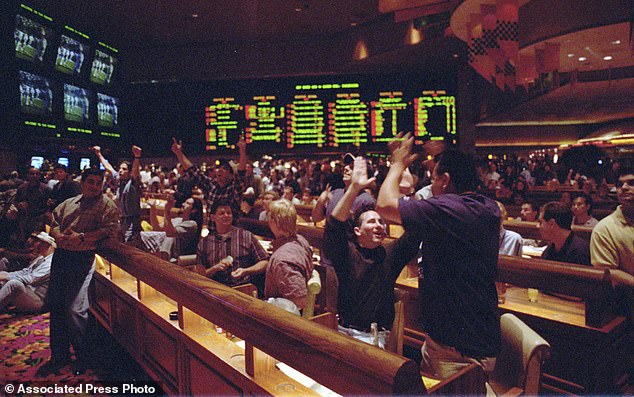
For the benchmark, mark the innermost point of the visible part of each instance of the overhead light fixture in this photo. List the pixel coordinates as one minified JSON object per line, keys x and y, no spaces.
{"x":194,"y":15}
{"x":582,"y":59}
{"x":607,"y":58}
{"x":616,"y":42}
{"x":571,"y":55}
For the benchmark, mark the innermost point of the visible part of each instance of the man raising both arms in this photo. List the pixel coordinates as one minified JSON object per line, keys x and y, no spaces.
{"x":459,"y":230}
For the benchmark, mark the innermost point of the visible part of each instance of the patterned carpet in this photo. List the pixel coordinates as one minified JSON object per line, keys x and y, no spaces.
{"x":24,"y":347}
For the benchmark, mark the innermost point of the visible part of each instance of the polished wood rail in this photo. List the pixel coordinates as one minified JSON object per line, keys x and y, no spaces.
{"x":531,"y":230}
{"x":340,"y":363}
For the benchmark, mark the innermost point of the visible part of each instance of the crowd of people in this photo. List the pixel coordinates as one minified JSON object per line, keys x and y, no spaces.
{"x":451,"y":207}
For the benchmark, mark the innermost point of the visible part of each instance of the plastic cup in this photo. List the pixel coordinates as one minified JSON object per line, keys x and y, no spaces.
{"x":533,"y":294}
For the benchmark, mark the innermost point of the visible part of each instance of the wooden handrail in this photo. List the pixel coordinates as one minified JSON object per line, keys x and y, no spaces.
{"x":592,"y":284}
{"x":341,"y":363}
{"x":531,"y":230}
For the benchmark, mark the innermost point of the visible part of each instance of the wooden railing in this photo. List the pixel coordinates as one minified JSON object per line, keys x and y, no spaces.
{"x":592,"y":285}
{"x":340,"y":363}
{"x":531,"y":230}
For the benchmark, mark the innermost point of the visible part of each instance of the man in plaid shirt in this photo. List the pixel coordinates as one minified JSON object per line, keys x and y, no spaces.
{"x":223,"y":185}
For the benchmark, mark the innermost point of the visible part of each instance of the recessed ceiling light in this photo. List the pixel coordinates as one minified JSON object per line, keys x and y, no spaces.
{"x":607,"y":58}
{"x":298,"y":9}
{"x":194,"y":15}
{"x":582,"y":59}
{"x":616,"y":42}
{"x":571,"y":55}
{"x":353,"y":24}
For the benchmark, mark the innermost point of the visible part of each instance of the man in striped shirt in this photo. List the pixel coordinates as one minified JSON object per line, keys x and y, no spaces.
{"x":231,"y":255}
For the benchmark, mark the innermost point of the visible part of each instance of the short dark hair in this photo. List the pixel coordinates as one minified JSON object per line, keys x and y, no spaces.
{"x":219,"y":203}
{"x":629,"y":170}
{"x":59,"y":166}
{"x":126,"y":162}
{"x":91,"y":171}
{"x":356,"y":216}
{"x":461,"y":168}
{"x":560,"y":212}
{"x":533,"y":204}
{"x":588,"y":199}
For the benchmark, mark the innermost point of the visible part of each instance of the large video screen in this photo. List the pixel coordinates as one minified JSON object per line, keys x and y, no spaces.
{"x":102,"y":68}
{"x":70,"y":56}
{"x":332,"y":114}
{"x":76,"y":104}
{"x":107,"y":110}
{"x":36,"y":96}
{"x":31,"y":39}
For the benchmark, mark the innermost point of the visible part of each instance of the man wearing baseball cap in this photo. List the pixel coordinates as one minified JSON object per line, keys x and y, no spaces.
{"x":26,"y":288}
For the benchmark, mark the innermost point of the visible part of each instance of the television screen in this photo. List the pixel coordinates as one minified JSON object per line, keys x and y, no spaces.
{"x":84,"y":163}
{"x":63,"y":161}
{"x":31,"y":39}
{"x":107,"y":110}
{"x":76,"y":104}
{"x":70,"y":56}
{"x":37,"y":161}
{"x":102,"y":68}
{"x":36,"y":96}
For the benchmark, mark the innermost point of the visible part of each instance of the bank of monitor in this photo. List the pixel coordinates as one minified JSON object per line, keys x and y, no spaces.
{"x":66,"y":84}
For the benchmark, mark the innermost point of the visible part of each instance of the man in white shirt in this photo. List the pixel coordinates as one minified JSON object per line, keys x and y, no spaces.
{"x":26,"y":288}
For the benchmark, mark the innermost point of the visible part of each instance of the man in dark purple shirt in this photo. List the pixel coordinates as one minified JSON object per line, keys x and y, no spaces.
{"x":459,"y":230}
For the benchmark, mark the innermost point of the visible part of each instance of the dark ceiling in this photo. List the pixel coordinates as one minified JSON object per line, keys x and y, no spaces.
{"x":199,"y":40}
{"x":169,"y":23}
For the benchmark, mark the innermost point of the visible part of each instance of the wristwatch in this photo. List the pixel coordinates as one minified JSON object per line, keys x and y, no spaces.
{"x":82,"y":237}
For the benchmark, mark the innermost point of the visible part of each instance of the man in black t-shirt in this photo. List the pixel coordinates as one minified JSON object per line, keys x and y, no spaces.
{"x":555,"y":220}
{"x":366,"y":267}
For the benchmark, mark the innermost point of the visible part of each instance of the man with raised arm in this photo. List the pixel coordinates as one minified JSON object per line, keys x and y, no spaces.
{"x":459,"y":230}
{"x":224,"y":185}
{"x":366,"y":267}
{"x":128,"y":194}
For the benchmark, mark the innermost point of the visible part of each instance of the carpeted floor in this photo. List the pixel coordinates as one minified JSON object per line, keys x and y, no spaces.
{"x":24,"y":347}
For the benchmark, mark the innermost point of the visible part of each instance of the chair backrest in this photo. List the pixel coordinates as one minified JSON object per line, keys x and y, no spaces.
{"x":519,"y":364}
{"x":314,"y":287}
